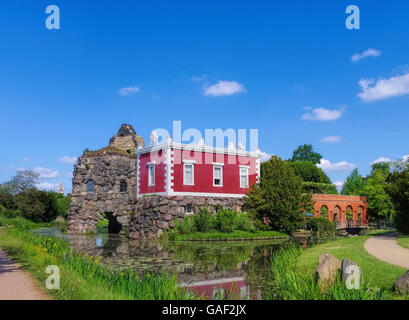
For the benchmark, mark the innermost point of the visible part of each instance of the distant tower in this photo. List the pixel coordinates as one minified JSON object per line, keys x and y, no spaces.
{"x":60,"y":189}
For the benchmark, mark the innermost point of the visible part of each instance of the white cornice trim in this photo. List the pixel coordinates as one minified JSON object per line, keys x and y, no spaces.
{"x":195,"y":147}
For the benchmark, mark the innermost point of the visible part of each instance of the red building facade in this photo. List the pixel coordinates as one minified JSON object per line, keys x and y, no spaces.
{"x":344,"y":210}
{"x":195,"y":170}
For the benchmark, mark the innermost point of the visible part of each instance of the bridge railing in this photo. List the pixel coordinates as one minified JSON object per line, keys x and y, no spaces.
{"x":351,"y":224}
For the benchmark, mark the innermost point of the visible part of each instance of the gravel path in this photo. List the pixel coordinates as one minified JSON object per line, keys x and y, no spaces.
{"x":385,"y":248}
{"x":16,"y":284}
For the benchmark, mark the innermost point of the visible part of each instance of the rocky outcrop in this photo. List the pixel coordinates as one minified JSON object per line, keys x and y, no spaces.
{"x":402,"y":284}
{"x":106,"y":173}
{"x":155,"y":214}
{"x":328,"y":267}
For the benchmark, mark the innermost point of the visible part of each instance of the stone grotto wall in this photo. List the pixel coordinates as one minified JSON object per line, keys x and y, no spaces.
{"x":155,"y":214}
{"x":107,"y":171}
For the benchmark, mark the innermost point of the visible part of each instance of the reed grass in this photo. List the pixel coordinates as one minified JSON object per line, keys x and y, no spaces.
{"x":83,"y":277}
{"x":289,"y":283}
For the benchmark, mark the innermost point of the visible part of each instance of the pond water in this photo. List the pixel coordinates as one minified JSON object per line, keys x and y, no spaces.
{"x":210,"y":268}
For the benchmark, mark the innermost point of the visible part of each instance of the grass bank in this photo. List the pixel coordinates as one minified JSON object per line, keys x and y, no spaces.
{"x":378,"y":273}
{"x":83,"y":278}
{"x":403,"y":240}
{"x":287,"y":282}
{"x":236,"y":235}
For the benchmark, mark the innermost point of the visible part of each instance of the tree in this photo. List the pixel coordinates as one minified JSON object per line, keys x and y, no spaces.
{"x":305,"y":153}
{"x":309,"y":172}
{"x":277,"y":200}
{"x":22,"y":181}
{"x":354,"y":184}
{"x":7,"y":198}
{"x":380,"y":205}
{"x":63,"y":203}
{"x":398,"y":189}
{"x":36,"y":205}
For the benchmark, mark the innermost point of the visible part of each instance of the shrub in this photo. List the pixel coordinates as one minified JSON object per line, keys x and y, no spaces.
{"x":244,"y":223}
{"x":184,"y":227}
{"x":9,"y":213}
{"x":226,"y":220}
{"x":203,"y":221}
{"x":37,"y":206}
{"x":322,"y":225}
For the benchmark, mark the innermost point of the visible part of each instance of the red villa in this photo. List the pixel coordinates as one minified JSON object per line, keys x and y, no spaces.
{"x":195,"y":170}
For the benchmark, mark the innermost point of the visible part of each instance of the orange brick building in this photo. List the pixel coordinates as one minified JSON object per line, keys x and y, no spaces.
{"x":336,"y":207}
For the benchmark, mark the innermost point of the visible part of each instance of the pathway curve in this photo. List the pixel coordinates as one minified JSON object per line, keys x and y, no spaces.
{"x":15,"y":284}
{"x":385,"y":248}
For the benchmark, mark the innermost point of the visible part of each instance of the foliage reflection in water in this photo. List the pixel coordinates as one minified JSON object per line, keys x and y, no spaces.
{"x":239,"y":268}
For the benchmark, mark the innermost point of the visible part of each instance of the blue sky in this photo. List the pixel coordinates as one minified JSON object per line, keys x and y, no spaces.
{"x":284,"y":68}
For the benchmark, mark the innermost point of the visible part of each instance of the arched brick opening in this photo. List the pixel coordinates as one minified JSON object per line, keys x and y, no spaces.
{"x":345,"y":210}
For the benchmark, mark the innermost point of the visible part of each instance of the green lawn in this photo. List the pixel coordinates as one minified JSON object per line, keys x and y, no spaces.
{"x":379,"y":273}
{"x":403,"y":240}
{"x":222,"y":236}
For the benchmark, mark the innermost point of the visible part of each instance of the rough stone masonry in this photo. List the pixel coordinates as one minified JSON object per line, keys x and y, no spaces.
{"x":105,"y":184}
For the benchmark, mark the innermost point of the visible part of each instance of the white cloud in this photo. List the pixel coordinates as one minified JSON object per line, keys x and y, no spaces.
{"x":224,"y":88}
{"x":339,"y":185}
{"x":26,"y":159}
{"x":326,"y":165}
{"x":68,"y":160}
{"x":405,"y":158}
{"x":265,"y":156}
{"x":367,"y":53}
{"x":46,"y":173}
{"x":381,"y":159}
{"x":331,"y":139}
{"x":47,"y":186}
{"x":322,"y":114}
{"x":128,"y":91}
{"x":384,"y":88}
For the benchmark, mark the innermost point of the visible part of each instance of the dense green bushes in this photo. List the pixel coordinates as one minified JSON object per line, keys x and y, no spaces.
{"x":37,"y":206}
{"x":224,"y":221}
{"x":321,"y":225}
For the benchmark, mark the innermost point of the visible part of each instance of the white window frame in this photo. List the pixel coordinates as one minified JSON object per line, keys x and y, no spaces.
{"x":242,"y":169}
{"x":218,"y":166}
{"x":192,"y":164}
{"x":151,"y":180}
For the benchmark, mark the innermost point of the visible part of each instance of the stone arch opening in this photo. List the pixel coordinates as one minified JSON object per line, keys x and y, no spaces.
{"x":113,"y":225}
{"x":337,"y":213}
{"x":360,"y":213}
{"x":349,"y":213}
{"x":324,"y":211}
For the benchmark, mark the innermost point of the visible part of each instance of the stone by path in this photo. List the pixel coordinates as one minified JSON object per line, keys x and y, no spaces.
{"x":385,"y":248}
{"x":16,"y":284}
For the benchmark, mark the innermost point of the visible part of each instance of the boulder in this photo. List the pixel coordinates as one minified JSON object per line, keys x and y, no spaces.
{"x":402,"y":284}
{"x":351,"y":271}
{"x":328,"y":267}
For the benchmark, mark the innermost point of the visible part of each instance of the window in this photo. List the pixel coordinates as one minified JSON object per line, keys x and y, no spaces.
{"x":188,"y":174}
{"x":188,"y":209}
{"x":244,"y":177}
{"x":123,"y":187}
{"x":90,"y":186}
{"x":217,"y":176}
{"x":151,"y":174}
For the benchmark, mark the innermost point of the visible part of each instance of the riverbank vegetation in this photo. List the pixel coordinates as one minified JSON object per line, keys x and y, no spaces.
{"x":224,"y":225}
{"x":83,"y":277}
{"x":287,"y":282}
{"x":379,"y":274}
